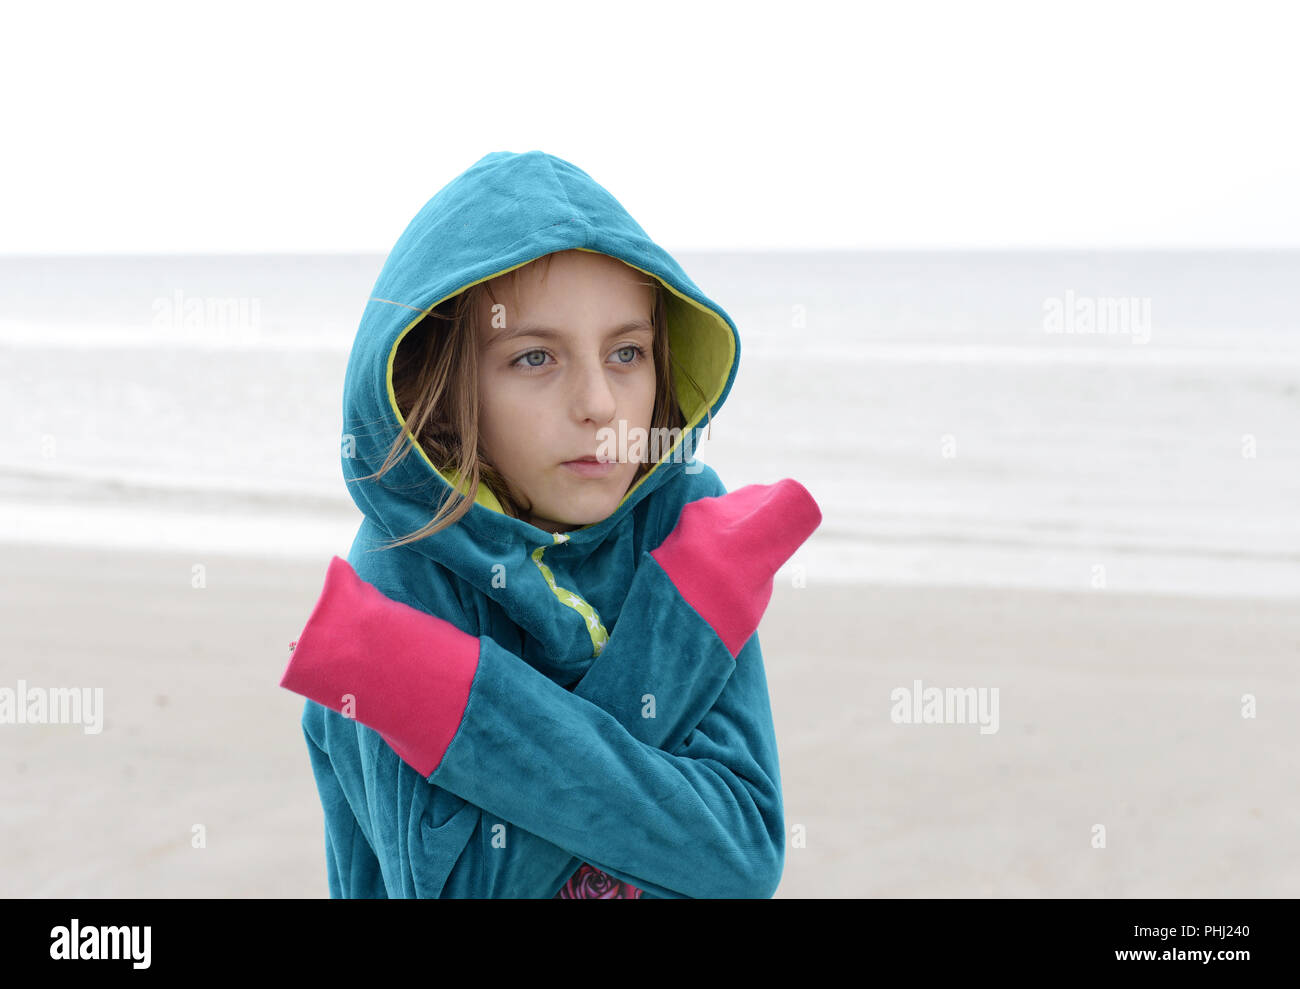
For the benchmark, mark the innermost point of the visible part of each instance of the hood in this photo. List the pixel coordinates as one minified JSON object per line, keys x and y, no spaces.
{"x":503,"y":212}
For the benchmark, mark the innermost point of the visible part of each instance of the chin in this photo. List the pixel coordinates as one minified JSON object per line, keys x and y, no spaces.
{"x":575,"y":520}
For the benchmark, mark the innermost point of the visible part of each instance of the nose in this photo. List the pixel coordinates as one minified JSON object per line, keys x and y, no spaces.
{"x":593,"y":399}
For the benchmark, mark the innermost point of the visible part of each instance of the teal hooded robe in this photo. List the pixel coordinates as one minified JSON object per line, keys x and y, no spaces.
{"x":607,"y":726}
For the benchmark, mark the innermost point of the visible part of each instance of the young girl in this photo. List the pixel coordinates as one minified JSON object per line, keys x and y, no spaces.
{"x":536,"y":673}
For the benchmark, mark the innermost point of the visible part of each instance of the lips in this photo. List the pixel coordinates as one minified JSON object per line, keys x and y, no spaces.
{"x":590,"y":467}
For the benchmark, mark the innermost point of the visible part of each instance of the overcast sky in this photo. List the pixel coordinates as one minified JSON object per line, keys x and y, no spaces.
{"x":236,"y":126}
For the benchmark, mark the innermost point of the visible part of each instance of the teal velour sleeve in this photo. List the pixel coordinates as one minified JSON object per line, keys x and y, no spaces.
{"x":700,"y":818}
{"x":659,"y":674}
{"x":662,"y":668}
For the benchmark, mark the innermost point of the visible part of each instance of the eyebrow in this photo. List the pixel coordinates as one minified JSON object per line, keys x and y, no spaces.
{"x":550,"y":333}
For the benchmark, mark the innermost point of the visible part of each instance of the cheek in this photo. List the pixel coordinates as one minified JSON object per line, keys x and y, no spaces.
{"x":492,"y":415}
{"x":504,"y":417}
{"x":648,"y":388}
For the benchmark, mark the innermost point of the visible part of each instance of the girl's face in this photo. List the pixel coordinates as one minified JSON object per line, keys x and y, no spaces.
{"x":575,"y":359}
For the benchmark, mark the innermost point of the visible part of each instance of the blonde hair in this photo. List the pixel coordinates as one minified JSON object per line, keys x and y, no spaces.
{"x":435,"y":380}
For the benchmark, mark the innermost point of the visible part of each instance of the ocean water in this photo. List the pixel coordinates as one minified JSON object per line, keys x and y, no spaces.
{"x":1090,"y":420}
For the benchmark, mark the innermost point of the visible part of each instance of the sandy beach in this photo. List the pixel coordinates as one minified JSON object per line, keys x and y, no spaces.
{"x":1123,"y":711}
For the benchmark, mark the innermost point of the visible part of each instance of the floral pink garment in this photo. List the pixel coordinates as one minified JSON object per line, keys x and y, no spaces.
{"x":589,"y":883}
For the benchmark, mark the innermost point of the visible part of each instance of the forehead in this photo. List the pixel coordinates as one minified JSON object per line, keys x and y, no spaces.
{"x":568,"y":282}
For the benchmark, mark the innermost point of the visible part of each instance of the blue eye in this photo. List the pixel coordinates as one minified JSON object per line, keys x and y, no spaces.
{"x":639,"y":351}
{"x":528,"y":365}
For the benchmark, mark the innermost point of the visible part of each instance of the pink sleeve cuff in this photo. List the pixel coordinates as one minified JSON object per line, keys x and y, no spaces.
{"x":401,"y":671}
{"x":725,"y":550}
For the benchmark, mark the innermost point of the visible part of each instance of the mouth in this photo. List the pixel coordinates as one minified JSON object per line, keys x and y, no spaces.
{"x":590,"y":466}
